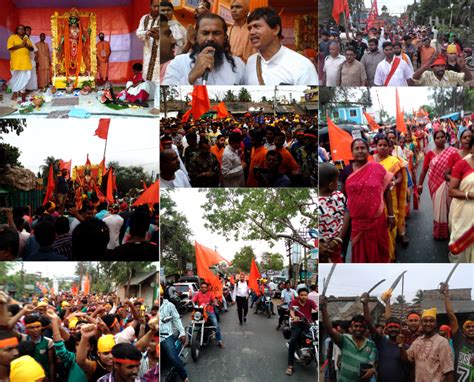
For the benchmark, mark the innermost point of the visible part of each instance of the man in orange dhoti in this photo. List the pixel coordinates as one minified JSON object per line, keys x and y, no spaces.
{"x":239,"y":39}
{"x":44,"y":62}
{"x":103,"y":54}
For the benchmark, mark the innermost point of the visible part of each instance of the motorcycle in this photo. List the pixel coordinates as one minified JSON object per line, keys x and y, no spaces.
{"x":284,"y":313}
{"x":264,"y":304}
{"x":168,"y":371}
{"x":180,"y":303}
{"x":200,"y":332}
{"x":469,"y":58}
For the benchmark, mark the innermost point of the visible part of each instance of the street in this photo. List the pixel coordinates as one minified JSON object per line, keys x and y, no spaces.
{"x":253,"y":352}
{"x":422,"y":248}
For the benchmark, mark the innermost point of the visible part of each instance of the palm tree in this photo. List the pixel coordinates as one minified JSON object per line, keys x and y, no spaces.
{"x":45,"y":168}
{"x":401,"y":300}
{"x":418,"y":297}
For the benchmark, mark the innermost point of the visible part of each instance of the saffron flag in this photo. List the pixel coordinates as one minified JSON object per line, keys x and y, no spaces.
{"x":50,"y":186}
{"x":102,"y":167}
{"x":206,"y":258}
{"x":86,"y":284}
{"x":374,"y":126}
{"x":103,"y":130}
{"x":110,"y":187}
{"x":88,"y":162}
{"x":337,"y":8}
{"x":400,"y":120}
{"x":254,"y":276}
{"x":74,"y":289}
{"x":186,"y":116}
{"x":221,"y":109}
{"x":144,"y":185}
{"x":150,"y":196}
{"x":339,"y":142}
{"x":99,"y":194}
{"x":200,"y":103}
{"x":66,"y":166}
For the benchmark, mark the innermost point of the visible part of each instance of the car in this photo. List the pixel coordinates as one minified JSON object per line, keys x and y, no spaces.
{"x":186,"y":289}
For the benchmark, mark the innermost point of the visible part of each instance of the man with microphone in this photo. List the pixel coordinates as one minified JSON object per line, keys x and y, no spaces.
{"x":210,"y":60}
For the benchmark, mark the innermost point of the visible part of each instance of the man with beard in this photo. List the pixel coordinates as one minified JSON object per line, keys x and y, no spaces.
{"x":439,"y":76}
{"x":218,"y":148}
{"x":371,"y":59}
{"x":392,"y":71}
{"x":210,"y":56}
{"x":103,"y":55}
{"x":232,"y":164}
{"x":391,"y":367}
{"x":204,"y":169}
{"x":351,"y":72}
{"x":19,"y":46}
{"x":397,"y":48}
{"x":239,"y":37}
{"x":430,"y":353}
{"x":463,"y":340}
{"x":148,"y":32}
{"x":275,"y":64}
{"x":358,"y":353}
{"x":167,"y":46}
{"x":171,"y":176}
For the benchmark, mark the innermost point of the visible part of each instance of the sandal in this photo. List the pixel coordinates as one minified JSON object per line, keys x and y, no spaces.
{"x":289,"y":370}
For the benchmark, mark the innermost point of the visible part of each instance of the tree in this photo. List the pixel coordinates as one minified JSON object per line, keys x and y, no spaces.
{"x":264,"y":99}
{"x":45,"y":168}
{"x":229,"y":96}
{"x":12,"y":125}
{"x":401,"y":300}
{"x":242,"y":259}
{"x":11,"y":155}
{"x":261,"y":214}
{"x":244,"y":95}
{"x":271,"y":261}
{"x":121,"y":272}
{"x":129,"y":177}
{"x":418,"y":297}
{"x":384,"y":9}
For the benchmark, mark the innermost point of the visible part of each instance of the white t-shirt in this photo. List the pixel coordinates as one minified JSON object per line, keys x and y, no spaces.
{"x":114,"y":223}
{"x":400,"y":76}
{"x":125,"y":336}
{"x":178,"y":70}
{"x":180,"y":180}
{"x":286,"y":67}
{"x":331,"y":68}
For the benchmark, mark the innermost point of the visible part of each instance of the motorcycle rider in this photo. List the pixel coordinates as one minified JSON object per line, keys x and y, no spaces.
{"x":287,"y":295}
{"x":204,"y":296}
{"x":264,"y":291}
{"x":305,"y":307}
{"x":167,"y":345}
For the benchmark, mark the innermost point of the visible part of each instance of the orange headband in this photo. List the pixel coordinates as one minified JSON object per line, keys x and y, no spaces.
{"x":467,"y":323}
{"x":413,"y":315}
{"x":33,"y":324}
{"x":113,"y":323}
{"x":12,"y":341}
{"x":127,"y":361}
{"x":392,"y":325}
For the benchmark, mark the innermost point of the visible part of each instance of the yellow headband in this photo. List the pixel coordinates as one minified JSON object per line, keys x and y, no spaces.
{"x":429,"y":313}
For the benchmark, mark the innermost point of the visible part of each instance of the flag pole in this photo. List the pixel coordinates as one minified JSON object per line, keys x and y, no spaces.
{"x":105,"y":147}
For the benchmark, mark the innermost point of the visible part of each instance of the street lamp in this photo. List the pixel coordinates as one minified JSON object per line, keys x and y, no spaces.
{"x":451,"y":6}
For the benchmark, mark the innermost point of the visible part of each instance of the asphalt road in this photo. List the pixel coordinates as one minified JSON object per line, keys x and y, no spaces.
{"x":253,"y":352}
{"x":422,"y":247}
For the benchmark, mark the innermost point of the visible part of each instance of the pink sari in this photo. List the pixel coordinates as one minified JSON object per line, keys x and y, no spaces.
{"x":365,"y":189}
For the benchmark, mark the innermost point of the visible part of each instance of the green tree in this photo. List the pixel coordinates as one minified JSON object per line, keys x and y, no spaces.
{"x":11,"y":153}
{"x":229,"y":96}
{"x":418,"y":297}
{"x":244,"y":95}
{"x":271,"y":261}
{"x":261,"y":214}
{"x":129,"y":177}
{"x":120,"y":273}
{"x":12,"y":125}
{"x":242,"y":259}
{"x":45,"y":168}
{"x":401,"y":300}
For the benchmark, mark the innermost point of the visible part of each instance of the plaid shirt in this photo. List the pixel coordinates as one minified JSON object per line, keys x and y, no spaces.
{"x":168,"y":309}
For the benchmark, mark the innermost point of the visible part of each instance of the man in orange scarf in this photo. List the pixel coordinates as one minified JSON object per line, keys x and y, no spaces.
{"x":103,"y":55}
{"x":239,"y":38}
{"x":257,"y":157}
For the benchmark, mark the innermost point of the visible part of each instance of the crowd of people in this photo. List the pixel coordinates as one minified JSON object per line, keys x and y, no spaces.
{"x":253,"y":151}
{"x":415,"y":348}
{"x":369,"y":200}
{"x":97,"y":231}
{"x":78,"y":337}
{"x":236,"y":291}
{"x":250,"y":52}
{"x":406,"y":55}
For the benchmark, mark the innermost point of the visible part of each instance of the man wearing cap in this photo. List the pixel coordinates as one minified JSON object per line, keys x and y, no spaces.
{"x":463,"y":340}
{"x":439,"y":76}
{"x":126,"y":364}
{"x":25,"y":368}
{"x":95,"y":369}
{"x":452,"y":55}
{"x":430,"y":353}
{"x":392,"y":71}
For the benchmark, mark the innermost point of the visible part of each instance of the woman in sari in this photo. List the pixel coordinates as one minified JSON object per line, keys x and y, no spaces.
{"x":438,"y":164}
{"x":366,"y":185}
{"x":398,"y":188}
{"x":461,"y":189}
{"x":465,"y":136}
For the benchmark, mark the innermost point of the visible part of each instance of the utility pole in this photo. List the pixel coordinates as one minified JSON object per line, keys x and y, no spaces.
{"x":288,"y":250}
{"x":274,"y":100}
{"x":164,"y":89}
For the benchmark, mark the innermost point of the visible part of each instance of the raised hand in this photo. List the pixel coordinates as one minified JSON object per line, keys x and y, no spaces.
{"x":88,"y":330}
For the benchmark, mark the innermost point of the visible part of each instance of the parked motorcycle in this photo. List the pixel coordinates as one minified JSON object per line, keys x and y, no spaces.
{"x":264,"y":303}
{"x":201,"y":333}
{"x":168,"y":371}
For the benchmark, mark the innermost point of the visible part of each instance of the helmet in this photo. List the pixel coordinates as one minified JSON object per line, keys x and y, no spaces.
{"x":286,"y":332}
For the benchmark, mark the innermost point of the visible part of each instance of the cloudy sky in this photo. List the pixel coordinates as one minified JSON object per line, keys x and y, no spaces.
{"x":394,"y":7}
{"x":354,"y":279}
{"x":410,"y":98}
{"x":131,"y":142}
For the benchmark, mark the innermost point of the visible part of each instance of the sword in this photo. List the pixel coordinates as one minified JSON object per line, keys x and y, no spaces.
{"x":375,"y":286}
{"x":389,"y":291}
{"x":452,"y":271}
{"x":325,"y":286}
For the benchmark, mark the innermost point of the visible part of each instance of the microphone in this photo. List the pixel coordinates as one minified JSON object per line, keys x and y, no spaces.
{"x":205,"y":76}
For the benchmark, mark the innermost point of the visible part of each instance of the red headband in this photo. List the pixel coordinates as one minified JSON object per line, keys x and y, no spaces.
{"x":392,"y":325}
{"x":413,"y":315}
{"x":307,"y":135}
{"x":127,"y":361}
{"x":12,"y":341}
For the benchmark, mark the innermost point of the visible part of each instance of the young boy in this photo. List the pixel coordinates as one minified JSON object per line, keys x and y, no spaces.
{"x":136,"y":90}
{"x":331,"y":210}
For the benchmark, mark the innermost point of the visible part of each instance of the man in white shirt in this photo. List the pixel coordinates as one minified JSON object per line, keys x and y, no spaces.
{"x":210,"y":56}
{"x":287,"y":295}
{"x":114,"y":222}
{"x":274,"y":64}
{"x":393,"y":71}
{"x":331,"y":64}
{"x":170,"y":174}
{"x":241,"y":297}
{"x":232,"y":164}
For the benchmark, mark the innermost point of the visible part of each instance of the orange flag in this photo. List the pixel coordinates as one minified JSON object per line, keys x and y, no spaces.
{"x":400,"y":120}
{"x":221,"y":109}
{"x":186,"y":116}
{"x":339,"y":7}
{"x":50,"y":186}
{"x":340,"y":142}
{"x":206,"y":258}
{"x":99,"y":194}
{"x":254,"y":276}
{"x":103,"y":130}
{"x":102,"y":166}
{"x":86,"y":284}
{"x":110,"y":187}
{"x":200,"y":103}
{"x":150,"y":196}
{"x":374,"y":126}
{"x":88,"y":162}
{"x":74,"y":289}
{"x":144,"y":185}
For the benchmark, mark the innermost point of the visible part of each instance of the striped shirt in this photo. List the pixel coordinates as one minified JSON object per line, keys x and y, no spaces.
{"x":166,"y":329}
{"x":63,"y":244}
{"x":353,"y":357}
